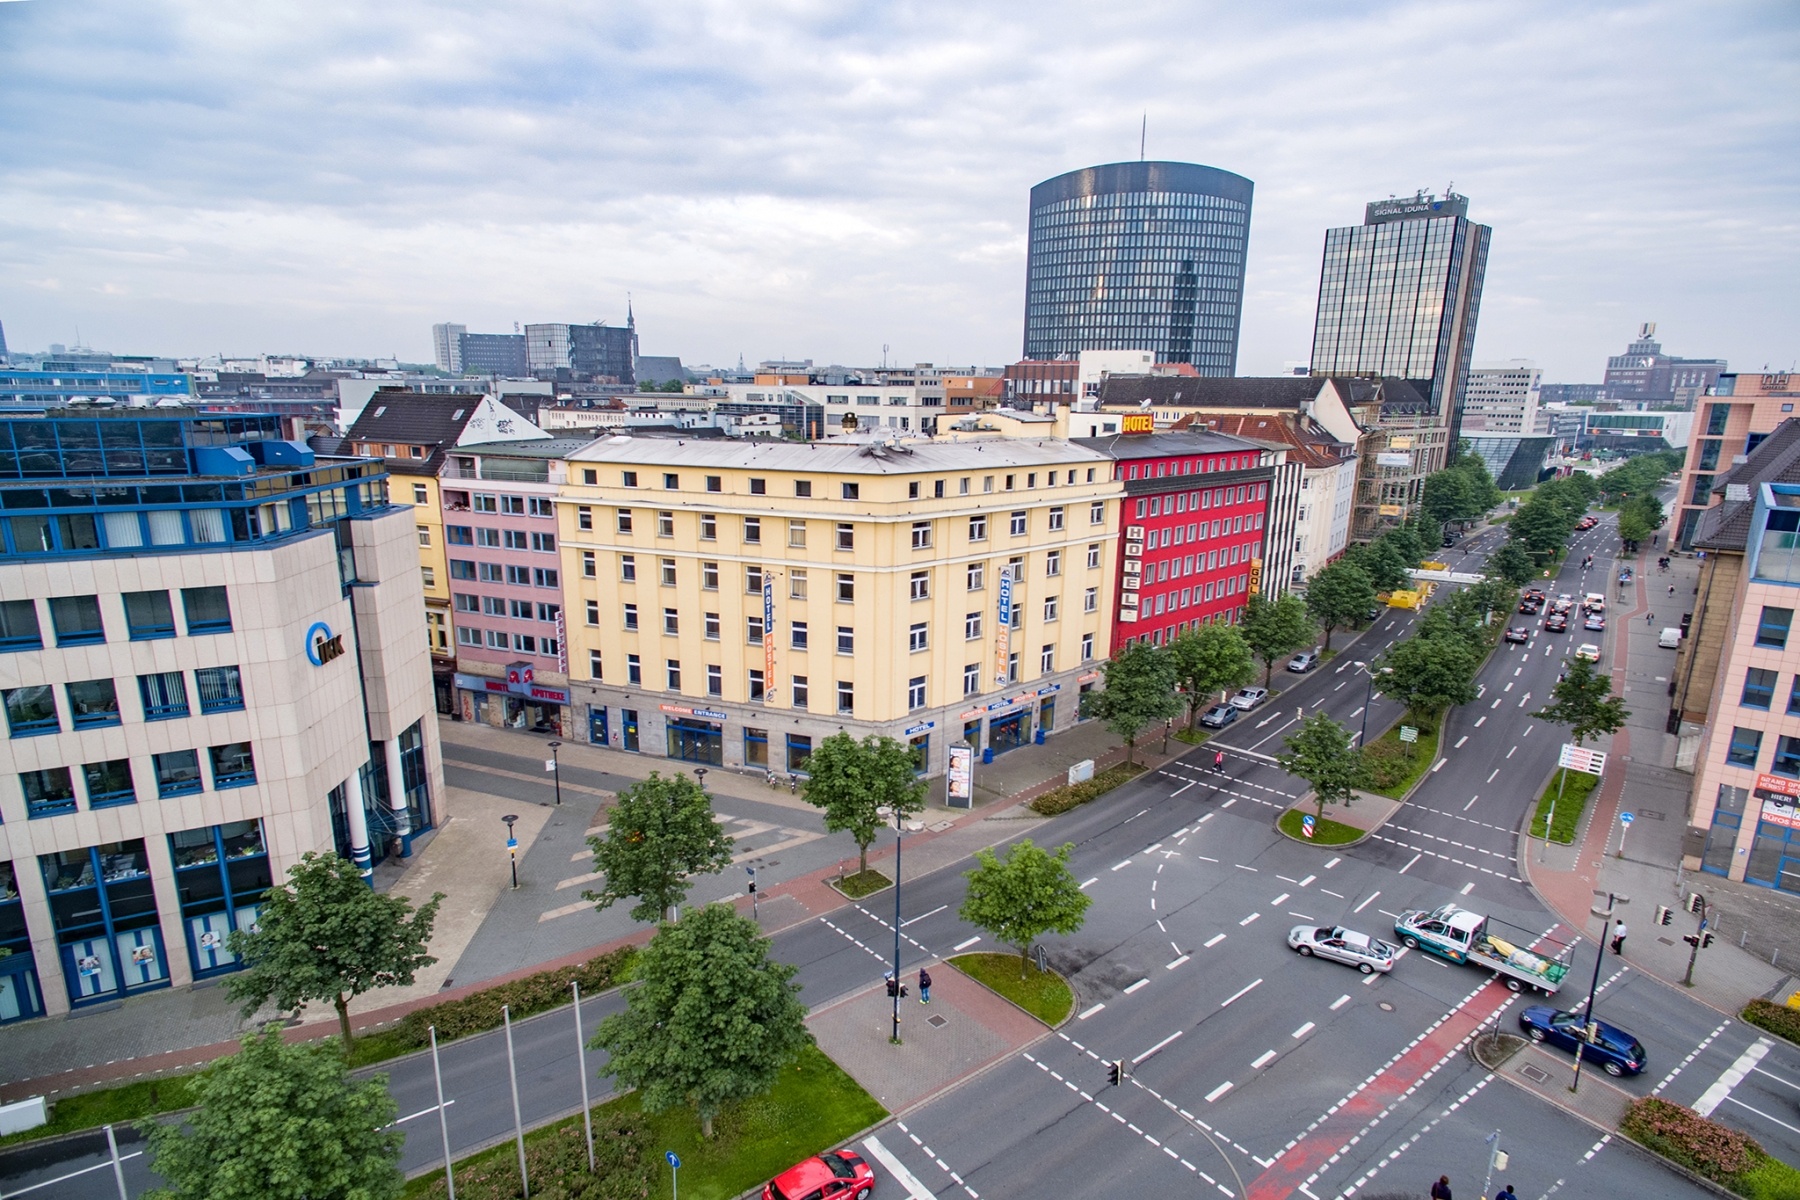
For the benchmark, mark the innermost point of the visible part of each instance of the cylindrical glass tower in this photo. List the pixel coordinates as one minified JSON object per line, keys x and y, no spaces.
{"x":1139,"y":256}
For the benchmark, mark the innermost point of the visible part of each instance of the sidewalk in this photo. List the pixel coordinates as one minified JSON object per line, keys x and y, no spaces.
{"x":1641,"y":779}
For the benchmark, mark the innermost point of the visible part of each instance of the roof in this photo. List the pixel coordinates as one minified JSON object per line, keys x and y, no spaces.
{"x":1174,"y":444}
{"x":1726,"y":525}
{"x":415,"y":418}
{"x":1305,"y":440}
{"x":839,"y":456}
{"x":1243,"y":391}
{"x":561,"y":447}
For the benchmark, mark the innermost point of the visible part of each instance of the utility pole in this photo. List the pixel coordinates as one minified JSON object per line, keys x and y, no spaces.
{"x":1697,"y":904}
{"x":1612,"y":903}
{"x":555,"y":769}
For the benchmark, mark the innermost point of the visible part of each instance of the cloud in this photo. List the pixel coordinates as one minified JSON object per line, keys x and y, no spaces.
{"x":806,"y":179}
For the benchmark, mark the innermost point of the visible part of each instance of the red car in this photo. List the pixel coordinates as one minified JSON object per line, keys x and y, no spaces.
{"x":835,"y":1175}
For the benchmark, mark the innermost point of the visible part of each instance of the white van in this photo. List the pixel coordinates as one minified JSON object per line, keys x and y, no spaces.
{"x":1670,"y":639}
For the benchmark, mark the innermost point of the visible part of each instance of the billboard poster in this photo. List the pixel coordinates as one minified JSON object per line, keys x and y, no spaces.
{"x":962,"y":774}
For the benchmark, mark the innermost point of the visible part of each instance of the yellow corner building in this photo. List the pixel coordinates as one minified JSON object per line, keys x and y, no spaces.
{"x":734,"y":603}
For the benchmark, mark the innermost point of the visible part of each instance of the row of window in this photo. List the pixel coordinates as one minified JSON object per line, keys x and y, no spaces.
{"x":515,"y":506}
{"x":1183,"y":565}
{"x":51,"y":792}
{"x":848,"y":490}
{"x":751,"y":529}
{"x":800,"y":636}
{"x":1181,"y":502}
{"x":31,"y":711}
{"x":474,"y":572}
{"x":1174,"y":601}
{"x":127,"y":529}
{"x":76,"y":620}
{"x":1746,"y":747}
{"x":799,"y":580}
{"x":498,"y":539}
{"x":500,"y":639}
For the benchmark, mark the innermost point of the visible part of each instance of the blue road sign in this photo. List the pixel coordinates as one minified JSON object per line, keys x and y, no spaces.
{"x":673,"y":1161}
{"x":1626,"y":818}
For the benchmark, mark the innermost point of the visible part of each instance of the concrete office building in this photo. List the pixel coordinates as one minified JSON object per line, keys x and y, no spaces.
{"x":734,"y":603}
{"x":1734,"y":417}
{"x":210,"y":665}
{"x":1646,"y":375}
{"x":446,"y":346}
{"x":1138,"y":256}
{"x":593,"y":352}
{"x":1399,"y":296}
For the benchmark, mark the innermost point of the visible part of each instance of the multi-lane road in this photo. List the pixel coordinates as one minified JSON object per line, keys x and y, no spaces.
{"x":1249,"y":1070}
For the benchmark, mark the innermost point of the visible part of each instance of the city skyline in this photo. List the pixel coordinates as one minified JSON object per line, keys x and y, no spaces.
{"x":784,"y":186}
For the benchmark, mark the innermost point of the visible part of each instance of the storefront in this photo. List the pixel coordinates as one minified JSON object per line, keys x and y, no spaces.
{"x":918,"y":742}
{"x":1775,"y":854}
{"x":515,"y":701}
{"x":19,"y":995}
{"x":756,"y":748}
{"x":103,"y":910}
{"x":1007,"y":732}
{"x":696,"y":735}
{"x":221,"y":873}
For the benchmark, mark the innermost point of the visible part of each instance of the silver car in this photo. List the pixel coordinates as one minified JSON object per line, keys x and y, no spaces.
{"x":1249,"y":698}
{"x":1358,"y":950}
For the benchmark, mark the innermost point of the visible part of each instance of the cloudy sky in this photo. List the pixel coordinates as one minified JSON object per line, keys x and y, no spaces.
{"x":810,"y":179}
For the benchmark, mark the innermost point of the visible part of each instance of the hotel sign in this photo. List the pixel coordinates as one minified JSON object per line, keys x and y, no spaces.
{"x":1137,"y":423}
{"x":1003,"y":643}
{"x":1255,"y":576}
{"x":768,"y":638}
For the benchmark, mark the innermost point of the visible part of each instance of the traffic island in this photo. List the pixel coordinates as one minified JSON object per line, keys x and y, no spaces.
{"x":1044,"y":994}
{"x":1492,"y":1050}
{"x":1344,"y":824}
{"x":862,"y":883}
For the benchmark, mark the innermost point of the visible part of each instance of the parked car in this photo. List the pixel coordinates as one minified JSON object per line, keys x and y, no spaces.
{"x":1374,"y":611}
{"x":1449,"y":541}
{"x":1670,"y":639}
{"x":1556,"y":623}
{"x":1588,"y":651}
{"x":1595,"y":622}
{"x":839,"y":1175}
{"x":1303,"y":662}
{"x":1219,"y":716}
{"x":1518,"y":634}
{"x":1359,"y":950}
{"x":1617,"y":1052}
{"x":1248,"y":698}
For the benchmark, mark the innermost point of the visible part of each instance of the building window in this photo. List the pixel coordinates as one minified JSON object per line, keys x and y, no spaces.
{"x":846,"y":589}
{"x":846,"y":536}
{"x":232,"y":765}
{"x":1090,"y":600}
{"x":544,"y":543}
{"x":1087,"y":647}
{"x":1759,"y":689}
{"x":978,"y":528}
{"x":1016,"y":526}
{"x":177,"y":773}
{"x":147,"y":616}
{"x":801,"y":691}
{"x":665,"y":524}
{"x":491,"y":539}
{"x":1047,"y":658}
{"x":666,"y":567}
{"x":467,"y":635}
{"x":921,"y":535}
{"x":715,"y":681}
{"x":977,"y":576}
{"x":753,"y":631}
{"x":424,"y":534}
{"x":626,"y":478}
{"x":1056,"y":518}
{"x":803,"y":488}
{"x":671,"y":483}
{"x":715,"y":483}
{"x":1050,"y":607}
{"x":915,"y":637}
{"x":545,"y":577}
{"x":420,"y":495}
{"x":593,"y":612}
{"x":630,"y":612}
{"x":1096,"y":512}
{"x":972,"y":626}
{"x":673,"y":667}
{"x":1053,"y":563}
{"x":709,"y":576}
{"x":797,"y":585}
{"x":852,"y":491}
{"x":846,"y":639}
{"x":164,"y":695}
{"x":109,"y":783}
{"x":1787,"y":758}
{"x":625,"y":519}
{"x":47,"y":793}
{"x":1012,"y":667}
{"x":221,"y":689}
{"x":671,"y":622}
{"x":971,"y":678}
{"x":711,"y":622}
{"x":797,"y":534}
{"x":920,"y":585}
{"x":427,"y":577}
{"x":634,"y":672}
{"x":1746,"y":744}
{"x":753,"y":530}
{"x":915,"y":692}
{"x":92,"y":703}
{"x":797,"y":635}
{"x":31,"y":711}
{"x":759,"y":487}
{"x":1771,"y":629}
{"x":498,"y":640}
{"x":76,"y":620}
{"x":595,"y":664}
{"x":757,"y":694}
{"x":584,"y":517}
{"x":753,"y":580}
{"x":912,"y":490}
{"x":846,"y":696}
{"x":544,"y":506}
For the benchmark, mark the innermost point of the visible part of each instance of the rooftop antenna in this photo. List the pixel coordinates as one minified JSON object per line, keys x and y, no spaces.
{"x":1143,"y":134}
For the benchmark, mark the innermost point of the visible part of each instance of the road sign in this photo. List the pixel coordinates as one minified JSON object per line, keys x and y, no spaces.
{"x":512,"y":843}
{"x":1626,"y":818}
{"x":1578,"y":758}
{"x":1408,"y":734}
{"x":1306,"y":825}
{"x":549,"y":765}
{"x":673,"y":1161}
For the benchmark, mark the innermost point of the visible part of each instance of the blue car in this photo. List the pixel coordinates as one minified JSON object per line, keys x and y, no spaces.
{"x":1219,"y":716}
{"x":1615,"y":1051}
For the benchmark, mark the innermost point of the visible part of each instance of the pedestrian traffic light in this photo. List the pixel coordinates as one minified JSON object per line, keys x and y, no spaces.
{"x":1706,"y":939}
{"x":1695,"y":902}
{"x":1692,"y":939}
{"x":1115,"y":1071}
{"x":1663,"y":914}
{"x":893,"y":986}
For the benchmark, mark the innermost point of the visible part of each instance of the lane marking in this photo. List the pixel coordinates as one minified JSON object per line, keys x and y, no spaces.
{"x":1262,"y":1060}
{"x":1090,"y":1012}
{"x":940,"y":908}
{"x":1214,"y":940}
{"x":1408,"y":866}
{"x":1152,"y":1050}
{"x":1218,"y":1091}
{"x":1134,"y":987}
{"x":965,"y":945}
{"x":902,"y":1176}
{"x":1734,"y":1074}
{"x":1177,"y":962}
{"x":1334,"y":862}
{"x":1250,"y":918}
{"x":1460,"y":741}
{"x":1123,"y":865}
{"x":1308,"y":880}
{"x":1765,"y":1116}
{"x":1467,"y":888}
{"x":1367,"y":902}
{"x":1281,"y":899}
{"x":1339,"y":1002}
{"x":1239,"y":994}
{"x":1095,"y":879}
{"x":1304,"y":1030}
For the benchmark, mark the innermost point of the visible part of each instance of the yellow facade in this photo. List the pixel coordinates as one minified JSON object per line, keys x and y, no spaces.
{"x":885,"y":572}
{"x":428,"y":517}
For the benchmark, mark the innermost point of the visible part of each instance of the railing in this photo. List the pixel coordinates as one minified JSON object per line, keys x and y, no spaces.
{"x":93,"y":720}
{"x":165,"y":712}
{"x":80,"y":637}
{"x":165,"y":788}
{"x":233,"y":779}
{"x":50,"y":808}
{"x":33,"y":728}
{"x":146,"y":633}
{"x":497,"y":474}
{"x":111,"y":799}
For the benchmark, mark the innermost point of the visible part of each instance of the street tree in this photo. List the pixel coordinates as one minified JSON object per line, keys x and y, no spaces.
{"x":1382,"y":563}
{"x":1408,"y":544}
{"x":1140,"y":692}
{"x":709,"y":1017}
{"x":1210,"y":659}
{"x":1023,"y":896}
{"x":1321,"y":752}
{"x":1341,"y":594}
{"x":1447,"y":496}
{"x":326,"y":935}
{"x":850,"y":780}
{"x":1513,"y":564}
{"x":280,"y":1122}
{"x":661,"y":832}
{"x":1633,"y":528}
{"x":1429,"y":674}
{"x":1275,"y":628}
{"x":1583,"y":700}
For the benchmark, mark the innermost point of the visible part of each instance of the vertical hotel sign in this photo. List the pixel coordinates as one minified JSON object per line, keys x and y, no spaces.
{"x":562,"y":643}
{"x":768,"y":638}
{"x":1255,"y":576}
{"x":1003,"y":643}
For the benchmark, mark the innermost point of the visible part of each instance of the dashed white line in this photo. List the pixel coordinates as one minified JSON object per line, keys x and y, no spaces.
{"x":1339,"y":1002}
{"x":965,"y":945}
{"x":1370,"y":900}
{"x":1262,"y":1060}
{"x":1305,"y":1029}
{"x":1095,"y":879}
{"x":1090,"y":1012}
{"x":1240,"y":993}
{"x":1134,"y":987}
{"x":1214,"y":940}
{"x":1218,"y":1091}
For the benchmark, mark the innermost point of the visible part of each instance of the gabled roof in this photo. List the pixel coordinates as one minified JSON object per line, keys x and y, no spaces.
{"x":1726,"y":525}
{"x":1169,"y":444}
{"x":1306,"y":442}
{"x":1274,"y":391}
{"x":413,"y":418}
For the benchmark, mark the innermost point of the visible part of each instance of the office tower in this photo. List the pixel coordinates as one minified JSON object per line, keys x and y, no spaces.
{"x":494,"y":353}
{"x":446,"y":340}
{"x":1399,"y":296}
{"x":1644,"y":373}
{"x":1138,"y":256}
{"x":593,"y":350}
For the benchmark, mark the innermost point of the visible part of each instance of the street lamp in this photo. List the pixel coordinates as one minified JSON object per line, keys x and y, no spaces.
{"x":886,"y":811}
{"x":1369,"y":699}
{"x":1612,"y":902}
{"x":556,"y":771}
{"x":700,"y":777}
{"x":512,"y":848}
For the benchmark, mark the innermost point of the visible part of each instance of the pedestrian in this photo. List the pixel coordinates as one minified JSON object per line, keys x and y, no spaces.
{"x":1505,"y":1193}
{"x":1649,"y":618}
{"x":1618,"y":939}
{"x":924,"y":986}
{"x":1219,"y":762}
{"x":1441,"y":1189}
{"x":1671,"y":589}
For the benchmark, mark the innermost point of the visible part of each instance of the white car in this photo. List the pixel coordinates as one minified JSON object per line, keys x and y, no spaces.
{"x":1588,"y":651}
{"x":1359,"y":950}
{"x":1249,"y":698}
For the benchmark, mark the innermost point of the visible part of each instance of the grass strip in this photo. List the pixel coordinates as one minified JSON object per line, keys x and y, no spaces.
{"x":1778,"y":1019}
{"x":1579,"y":785}
{"x":1326,"y":832}
{"x":1062,"y":799}
{"x":1396,"y":765}
{"x":112,"y":1106}
{"x":1708,"y":1149}
{"x":813,"y":1108}
{"x":863,"y":883}
{"x":1193,"y":737}
{"x":1044,"y":994}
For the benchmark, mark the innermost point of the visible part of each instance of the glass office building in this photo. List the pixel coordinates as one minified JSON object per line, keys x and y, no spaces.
{"x":1399,"y":296}
{"x":1138,"y":256}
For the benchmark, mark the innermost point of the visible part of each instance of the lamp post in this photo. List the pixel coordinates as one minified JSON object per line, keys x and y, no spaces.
{"x":556,"y":771}
{"x":512,"y":848}
{"x":885,"y":811}
{"x":1368,"y":699}
{"x":1612,"y":902}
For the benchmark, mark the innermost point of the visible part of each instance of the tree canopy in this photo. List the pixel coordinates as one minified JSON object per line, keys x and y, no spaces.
{"x":1140,"y":692}
{"x":709,"y":1017}
{"x":659,"y":833}
{"x":280,"y":1122}
{"x":850,"y":780}
{"x":1273,"y":628}
{"x":1210,"y":659}
{"x":1430,"y":673}
{"x":326,"y":935}
{"x":1513,"y":564}
{"x":1382,"y":562}
{"x":1322,"y":752}
{"x":1339,"y":595}
{"x":1024,"y":895}
{"x":1583,"y":700}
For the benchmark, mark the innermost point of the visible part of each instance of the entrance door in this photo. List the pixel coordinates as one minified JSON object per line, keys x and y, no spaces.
{"x":696,"y":741}
{"x":1046,"y":717}
{"x":597,"y":732}
{"x":628,"y":726}
{"x":1006,"y":733}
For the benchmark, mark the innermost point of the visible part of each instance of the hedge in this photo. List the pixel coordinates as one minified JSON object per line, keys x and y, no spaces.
{"x":1778,"y":1019}
{"x":1069,"y":796}
{"x":1709,"y":1149}
{"x":556,"y":1160}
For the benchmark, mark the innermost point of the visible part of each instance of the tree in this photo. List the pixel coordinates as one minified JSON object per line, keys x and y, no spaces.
{"x":325,"y":935}
{"x":851,"y":779}
{"x":1632,"y":526}
{"x":1513,"y":564}
{"x":1139,"y":692}
{"x":1582,"y":699}
{"x":659,"y":833}
{"x":280,"y":1122}
{"x":1273,"y":628}
{"x":1429,"y":674}
{"x":1210,"y":659}
{"x":1382,"y":563}
{"x":709,"y":1018}
{"x":1339,"y":595}
{"x":1023,"y":896}
{"x":1446,"y":497}
{"x":1407,"y":544}
{"x":1321,"y":752}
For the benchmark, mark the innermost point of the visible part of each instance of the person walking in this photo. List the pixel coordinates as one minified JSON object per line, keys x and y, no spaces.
{"x":1219,"y":762}
{"x":1671,"y":589}
{"x":924,"y":986}
{"x":1618,"y":939}
{"x":1441,"y":1189}
{"x":1505,"y":1193}
{"x":1649,"y":618}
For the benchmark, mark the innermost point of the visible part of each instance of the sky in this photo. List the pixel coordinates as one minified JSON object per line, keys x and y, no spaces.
{"x":849,"y":180}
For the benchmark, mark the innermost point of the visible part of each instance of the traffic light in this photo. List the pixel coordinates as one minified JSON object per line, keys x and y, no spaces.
{"x":1695,"y":902}
{"x":1692,"y":939}
{"x":1664,"y":914}
{"x":1706,"y":939}
{"x":1115,"y":1071}
{"x":893,"y":986}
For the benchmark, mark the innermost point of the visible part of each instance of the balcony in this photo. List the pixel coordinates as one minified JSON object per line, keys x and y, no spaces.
{"x":497,"y":474}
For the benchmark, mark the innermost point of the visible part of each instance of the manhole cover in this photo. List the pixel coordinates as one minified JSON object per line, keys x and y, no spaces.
{"x":1666,"y":941}
{"x":940,"y":826}
{"x":1386,"y":1007}
{"x":1650,"y":816}
{"x":937,"y":1022}
{"x":1534,"y":1074}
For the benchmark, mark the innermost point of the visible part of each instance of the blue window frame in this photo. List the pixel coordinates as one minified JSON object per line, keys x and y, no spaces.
{"x":177,"y":773}
{"x":221,"y":873}
{"x":76,"y":620}
{"x":93,"y":703}
{"x":1759,"y":688}
{"x":31,"y":711}
{"x":109,"y":783}
{"x":1787,"y":758}
{"x":1746,"y":744}
{"x":19,"y":626}
{"x":1772,"y":628}
{"x":164,"y":695}
{"x":207,"y":610}
{"x":103,"y":911}
{"x":221,"y":689}
{"x":148,"y":616}
{"x":233,"y":766}
{"x":48,"y":793}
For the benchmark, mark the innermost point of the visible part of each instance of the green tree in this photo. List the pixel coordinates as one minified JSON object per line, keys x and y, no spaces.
{"x":1582,"y":700}
{"x":1339,"y":595}
{"x":1023,"y":896}
{"x":1632,"y":526}
{"x":1407,"y":544}
{"x":645,"y":385}
{"x":1447,"y":496}
{"x":1513,"y":564}
{"x":1139,"y":692}
{"x":1321,"y":752}
{"x":1382,"y":563}
{"x":851,"y":779}
{"x":659,"y":833}
{"x":709,"y":1017}
{"x":280,"y":1122}
{"x":325,"y":935}
{"x":1429,"y":674}
{"x":1273,"y":628}
{"x":674,"y":385}
{"x":1210,"y":659}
